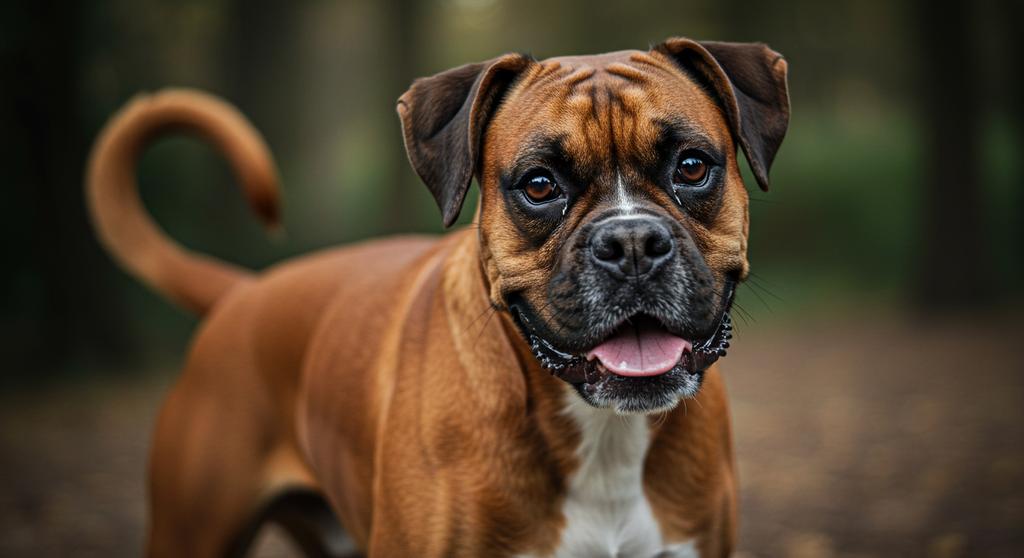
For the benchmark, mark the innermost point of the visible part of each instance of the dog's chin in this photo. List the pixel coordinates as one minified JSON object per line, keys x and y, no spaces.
{"x":641,"y":395}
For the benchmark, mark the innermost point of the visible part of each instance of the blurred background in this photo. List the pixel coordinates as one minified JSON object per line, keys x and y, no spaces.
{"x":877,"y":381}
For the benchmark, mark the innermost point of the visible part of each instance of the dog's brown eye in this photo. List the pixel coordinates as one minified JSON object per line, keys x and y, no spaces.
{"x":692,"y":171}
{"x":541,"y":188}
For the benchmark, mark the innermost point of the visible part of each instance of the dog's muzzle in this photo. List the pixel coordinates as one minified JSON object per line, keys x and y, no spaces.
{"x":696,"y":356}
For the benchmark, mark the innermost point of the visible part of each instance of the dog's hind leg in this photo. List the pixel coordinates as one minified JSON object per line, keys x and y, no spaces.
{"x":212,"y":488}
{"x":207,"y":468}
{"x":221,"y":459}
{"x":305,"y":516}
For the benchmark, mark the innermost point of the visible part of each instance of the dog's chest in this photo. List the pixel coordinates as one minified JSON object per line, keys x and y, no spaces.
{"x":606,"y":511}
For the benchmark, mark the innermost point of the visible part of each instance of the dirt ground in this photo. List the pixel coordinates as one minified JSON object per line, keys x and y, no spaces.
{"x":855,"y":438}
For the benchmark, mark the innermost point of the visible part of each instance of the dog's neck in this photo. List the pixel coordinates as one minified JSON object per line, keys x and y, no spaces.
{"x":492,"y":350}
{"x":487,"y":341}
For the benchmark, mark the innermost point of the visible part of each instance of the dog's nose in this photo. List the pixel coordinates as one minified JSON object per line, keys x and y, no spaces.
{"x":631,"y":246}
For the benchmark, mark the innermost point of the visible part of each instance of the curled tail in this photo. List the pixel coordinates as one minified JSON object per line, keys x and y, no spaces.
{"x":191,"y":280}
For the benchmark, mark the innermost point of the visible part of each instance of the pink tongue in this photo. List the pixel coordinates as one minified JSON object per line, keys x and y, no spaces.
{"x":640,"y":349}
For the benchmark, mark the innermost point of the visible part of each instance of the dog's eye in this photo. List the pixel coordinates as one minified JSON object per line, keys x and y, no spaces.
{"x":540,"y":187}
{"x":691,"y":171}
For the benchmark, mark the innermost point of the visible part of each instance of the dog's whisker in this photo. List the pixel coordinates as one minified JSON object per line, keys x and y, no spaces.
{"x":699,"y":404}
{"x":473,"y":322}
{"x":761,"y":279}
{"x":483,"y":328}
{"x":759,"y":297}
{"x":746,"y":316}
{"x":757,"y":283}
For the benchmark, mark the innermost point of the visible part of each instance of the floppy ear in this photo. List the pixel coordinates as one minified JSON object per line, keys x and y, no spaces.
{"x":443,"y":119}
{"x":750,"y":81}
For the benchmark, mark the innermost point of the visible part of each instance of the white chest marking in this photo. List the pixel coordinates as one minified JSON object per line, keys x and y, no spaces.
{"x":606,"y":511}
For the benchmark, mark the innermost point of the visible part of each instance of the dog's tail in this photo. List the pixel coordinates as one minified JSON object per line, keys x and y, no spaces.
{"x":125,"y":228}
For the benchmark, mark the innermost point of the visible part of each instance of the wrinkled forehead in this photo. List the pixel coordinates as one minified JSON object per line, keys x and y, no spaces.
{"x":603,"y":107}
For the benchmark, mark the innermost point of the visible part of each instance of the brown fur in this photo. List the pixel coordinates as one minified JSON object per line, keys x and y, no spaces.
{"x":387,"y":375}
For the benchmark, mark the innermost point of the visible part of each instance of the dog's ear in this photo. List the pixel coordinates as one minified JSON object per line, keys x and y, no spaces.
{"x":443,"y":120}
{"x":750,"y":81}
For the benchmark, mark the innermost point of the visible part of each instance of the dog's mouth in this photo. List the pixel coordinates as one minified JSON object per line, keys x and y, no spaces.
{"x":640,"y":347}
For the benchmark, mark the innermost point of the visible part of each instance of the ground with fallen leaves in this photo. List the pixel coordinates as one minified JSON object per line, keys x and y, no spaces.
{"x":855,"y":437}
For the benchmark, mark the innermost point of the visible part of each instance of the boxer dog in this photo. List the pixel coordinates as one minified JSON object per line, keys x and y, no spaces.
{"x":510,"y":389}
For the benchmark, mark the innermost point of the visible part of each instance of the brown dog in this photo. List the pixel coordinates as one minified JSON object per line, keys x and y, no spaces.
{"x":509,"y":389}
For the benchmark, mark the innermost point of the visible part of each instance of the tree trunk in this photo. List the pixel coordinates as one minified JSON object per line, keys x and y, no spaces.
{"x":62,"y":312}
{"x":1011,"y":14}
{"x":955,"y":269}
{"x":400,"y":63}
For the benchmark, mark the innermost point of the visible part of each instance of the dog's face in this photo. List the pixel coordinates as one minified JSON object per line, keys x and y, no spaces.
{"x":613,"y":218}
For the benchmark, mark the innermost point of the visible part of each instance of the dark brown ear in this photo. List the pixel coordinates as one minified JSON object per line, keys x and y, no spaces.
{"x":750,"y":80}
{"x":443,"y":119}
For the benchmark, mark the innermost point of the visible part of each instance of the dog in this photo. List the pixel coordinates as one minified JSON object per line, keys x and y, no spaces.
{"x":512,"y":388}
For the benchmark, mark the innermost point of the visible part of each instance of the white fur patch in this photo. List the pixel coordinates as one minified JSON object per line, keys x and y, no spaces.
{"x":623,"y":201}
{"x":606,"y":512}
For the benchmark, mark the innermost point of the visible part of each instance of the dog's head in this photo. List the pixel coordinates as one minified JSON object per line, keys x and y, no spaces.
{"x":613,"y":218}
